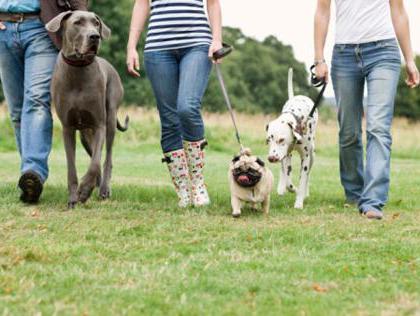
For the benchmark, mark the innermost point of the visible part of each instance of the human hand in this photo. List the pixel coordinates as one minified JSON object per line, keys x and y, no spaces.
{"x":322,"y":71}
{"x":133,"y":62}
{"x":214,"y":47}
{"x":413,"y":77}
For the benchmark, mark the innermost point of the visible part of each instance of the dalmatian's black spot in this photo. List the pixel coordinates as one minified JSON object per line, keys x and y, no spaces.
{"x":309,"y":138}
{"x":305,"y":169}
{"x":299,"y":142}
{"x":289,"y":170}
{"x":291,"y":186}
{"x":310,"y":125}
{"x":305,"y":148}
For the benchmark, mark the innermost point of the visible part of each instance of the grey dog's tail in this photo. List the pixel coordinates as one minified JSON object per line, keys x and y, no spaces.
{"x":122,"y":128}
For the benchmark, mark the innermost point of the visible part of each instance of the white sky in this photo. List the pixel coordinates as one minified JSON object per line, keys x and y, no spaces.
{"x":291,"y":21}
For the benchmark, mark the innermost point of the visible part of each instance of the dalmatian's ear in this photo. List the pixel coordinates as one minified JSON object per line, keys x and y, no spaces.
{"x":295,"y":131}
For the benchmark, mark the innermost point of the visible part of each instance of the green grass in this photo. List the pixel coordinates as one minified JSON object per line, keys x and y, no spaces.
{"x":137,"y":254}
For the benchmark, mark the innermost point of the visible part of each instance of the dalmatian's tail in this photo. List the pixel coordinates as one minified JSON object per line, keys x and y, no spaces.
{"x":290,"y":84}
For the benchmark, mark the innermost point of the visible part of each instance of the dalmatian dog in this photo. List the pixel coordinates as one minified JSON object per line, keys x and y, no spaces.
{"x":293,"y":130}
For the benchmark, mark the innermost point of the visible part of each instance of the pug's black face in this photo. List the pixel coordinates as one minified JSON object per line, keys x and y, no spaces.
{"x":247,"y":170}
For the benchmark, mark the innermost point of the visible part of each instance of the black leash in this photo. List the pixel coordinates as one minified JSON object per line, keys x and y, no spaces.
{"x":317,"y":83}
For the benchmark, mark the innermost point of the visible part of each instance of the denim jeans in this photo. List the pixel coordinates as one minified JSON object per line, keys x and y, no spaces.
{"x":179,"y":79}
{"x":27,"y":59}
{"x":376,"y":64}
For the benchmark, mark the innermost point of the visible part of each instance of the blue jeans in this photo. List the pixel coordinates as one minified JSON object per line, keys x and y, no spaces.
{"x":378,"y":65}
{"x":179,"y":79}
{"x":27,"y":59}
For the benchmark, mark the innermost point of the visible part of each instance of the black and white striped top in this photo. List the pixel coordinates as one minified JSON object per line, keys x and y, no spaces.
{"x":177,"y":24}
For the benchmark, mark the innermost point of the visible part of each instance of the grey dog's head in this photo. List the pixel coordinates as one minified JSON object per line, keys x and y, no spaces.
{"x":82,"y":33}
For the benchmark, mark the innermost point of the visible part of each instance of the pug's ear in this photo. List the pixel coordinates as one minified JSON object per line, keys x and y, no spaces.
{"x":56,"y":23}
{"x":295,"y":132}
{"x":104,"y":29}
{"x":236,"y":158}
{"x":260,"y":162}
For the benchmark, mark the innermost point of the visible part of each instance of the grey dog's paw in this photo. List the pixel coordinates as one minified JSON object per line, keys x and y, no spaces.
{"x":71,"y":204}
{"x":105,"y":192}
{"x":84,"y":193}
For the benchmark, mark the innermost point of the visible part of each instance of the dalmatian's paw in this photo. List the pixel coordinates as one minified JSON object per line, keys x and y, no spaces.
{"x":298,"y":205}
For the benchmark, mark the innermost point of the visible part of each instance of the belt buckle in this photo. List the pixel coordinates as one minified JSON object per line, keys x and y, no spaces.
{"x":21,"y":17}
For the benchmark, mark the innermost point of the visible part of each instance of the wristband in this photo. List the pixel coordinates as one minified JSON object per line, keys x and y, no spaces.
{"x":319,"y":62}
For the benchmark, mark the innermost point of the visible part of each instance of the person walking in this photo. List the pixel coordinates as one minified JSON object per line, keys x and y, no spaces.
{"x":366,"y":52}
{"x":179,"y":45}
{"x":27,"y":60}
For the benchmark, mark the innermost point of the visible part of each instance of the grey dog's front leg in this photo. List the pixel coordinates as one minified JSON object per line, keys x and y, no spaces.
{"x":69,"y":137}
{"x":90,"y":178}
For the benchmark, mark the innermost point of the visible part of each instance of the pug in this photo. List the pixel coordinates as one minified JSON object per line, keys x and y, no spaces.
{"x":250,"y":181}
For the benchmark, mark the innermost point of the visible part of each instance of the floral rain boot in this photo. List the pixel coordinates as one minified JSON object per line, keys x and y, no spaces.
{"x":195,"y":158}
{"x":178,"y":169}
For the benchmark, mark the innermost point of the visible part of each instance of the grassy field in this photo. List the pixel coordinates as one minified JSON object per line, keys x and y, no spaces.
{"x":137,"y":254}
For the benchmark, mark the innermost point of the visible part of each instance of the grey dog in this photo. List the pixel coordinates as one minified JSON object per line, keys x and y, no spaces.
{"x":86,"y":91}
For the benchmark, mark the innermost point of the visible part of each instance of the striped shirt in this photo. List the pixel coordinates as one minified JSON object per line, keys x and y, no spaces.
{"x":177,"y":24}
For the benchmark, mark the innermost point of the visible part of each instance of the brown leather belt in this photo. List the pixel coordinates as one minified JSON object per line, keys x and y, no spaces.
{"x":17,"y":17}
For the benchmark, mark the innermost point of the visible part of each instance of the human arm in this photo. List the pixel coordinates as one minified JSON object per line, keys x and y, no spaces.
{"x":402,"y":29}
{"x":215,"y":17}
{"x":139,"y":17}
{"x":321,"y":24}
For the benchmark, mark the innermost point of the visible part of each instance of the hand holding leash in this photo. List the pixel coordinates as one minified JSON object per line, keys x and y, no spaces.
{"x":223,"y":52}
{"x":317,"y":82}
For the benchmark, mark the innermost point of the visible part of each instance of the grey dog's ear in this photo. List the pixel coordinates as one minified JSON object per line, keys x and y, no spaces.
{"x":55,"y":24}
{"x":236,"y":158}
{"x":104,"y":29}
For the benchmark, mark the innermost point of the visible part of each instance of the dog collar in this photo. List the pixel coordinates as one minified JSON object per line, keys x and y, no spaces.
{"x":77,"y":63}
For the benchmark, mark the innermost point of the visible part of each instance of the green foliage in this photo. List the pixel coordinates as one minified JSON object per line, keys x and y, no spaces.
{"x":408,"y":100}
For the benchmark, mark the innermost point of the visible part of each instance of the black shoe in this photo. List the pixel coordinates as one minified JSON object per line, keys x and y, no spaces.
{"x":31,"y":185}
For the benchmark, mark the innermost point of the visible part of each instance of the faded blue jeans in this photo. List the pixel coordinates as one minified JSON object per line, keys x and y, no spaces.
{"x":376,"y":64}
{"x":179,"y":79}
{"x":27,"y":59}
